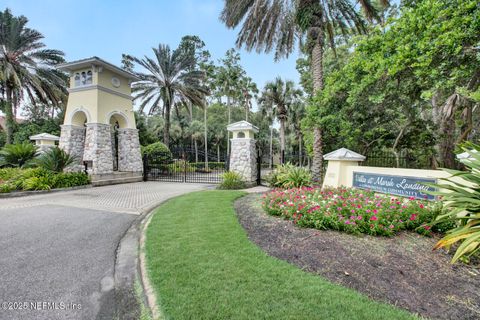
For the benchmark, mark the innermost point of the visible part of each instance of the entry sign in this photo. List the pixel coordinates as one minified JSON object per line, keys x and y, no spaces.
{"x":395,"y":185}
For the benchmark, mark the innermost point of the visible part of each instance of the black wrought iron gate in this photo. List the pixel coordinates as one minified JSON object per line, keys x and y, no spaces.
{"x":184,"y":165}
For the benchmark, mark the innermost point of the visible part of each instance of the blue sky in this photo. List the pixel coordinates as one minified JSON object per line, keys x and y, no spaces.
{"x":108,"y":28}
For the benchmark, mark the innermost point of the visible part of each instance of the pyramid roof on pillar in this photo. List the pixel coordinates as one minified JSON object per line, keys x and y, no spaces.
{"x":96,"y":61}
{"x":44,"y":136}
{"x":241,"y":126}
{"x":344,"y":154}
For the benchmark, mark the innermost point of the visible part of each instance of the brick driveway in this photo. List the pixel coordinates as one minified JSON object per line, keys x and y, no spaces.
{"x":131,"y":198}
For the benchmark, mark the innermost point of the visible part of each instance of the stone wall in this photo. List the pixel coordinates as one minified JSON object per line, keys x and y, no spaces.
{"x":98,"y":147}
{"x":129,"y":154}
{"x":243,"y":159}
{"x":72,"y":140}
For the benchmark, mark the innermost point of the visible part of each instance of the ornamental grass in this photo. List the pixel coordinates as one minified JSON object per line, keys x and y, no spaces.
{"x":353,"y":211}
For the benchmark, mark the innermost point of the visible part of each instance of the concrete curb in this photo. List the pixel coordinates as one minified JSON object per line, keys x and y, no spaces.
{"x":148,"y":291}
{"x":16,"y":194}
{"x":130,"y":261}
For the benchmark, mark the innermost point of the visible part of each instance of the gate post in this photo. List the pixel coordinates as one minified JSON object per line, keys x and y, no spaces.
{"x":145,"y":167}
{"x":243,"y":152}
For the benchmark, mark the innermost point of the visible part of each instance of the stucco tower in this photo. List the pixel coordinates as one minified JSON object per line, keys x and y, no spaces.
{"x":99,"y":126}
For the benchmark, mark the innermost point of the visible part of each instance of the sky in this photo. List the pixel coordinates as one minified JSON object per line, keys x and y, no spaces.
{"x":107,"y":28}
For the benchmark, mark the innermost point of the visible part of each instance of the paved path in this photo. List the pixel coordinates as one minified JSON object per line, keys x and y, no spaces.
{"x":58,"y":250}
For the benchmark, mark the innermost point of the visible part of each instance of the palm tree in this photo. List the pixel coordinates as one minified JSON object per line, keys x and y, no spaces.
{"x":171,"y":78}
{"x":275,"y":25}
{"x":295,"y":123}
{"x":249,"y":91}
{"x":278,"y":97}
{"x":26,"y":67}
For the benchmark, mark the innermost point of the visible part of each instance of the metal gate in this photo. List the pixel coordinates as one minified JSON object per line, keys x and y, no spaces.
{"x":184,"y":165}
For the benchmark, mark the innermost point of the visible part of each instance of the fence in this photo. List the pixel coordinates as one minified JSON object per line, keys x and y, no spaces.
{"x":404,"y":159}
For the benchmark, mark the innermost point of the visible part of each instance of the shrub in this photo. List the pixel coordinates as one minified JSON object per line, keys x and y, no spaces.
{"x":351,"y":210}
{"x":37,"y":183}
{"x":180,"y":166}
{"x":290,"y":176}
{"x":70,"y":179}
{"x":462,"y":206}
{"x":157,"y":147}
{"x":211,"y":165}
{"x":12,"y":179}
{"x":231,"y":181}
{"x":17,"y":155}
{"x":54,"y":159}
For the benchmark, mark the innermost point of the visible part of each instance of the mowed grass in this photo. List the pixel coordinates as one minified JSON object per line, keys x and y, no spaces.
{"x":202,"y":266}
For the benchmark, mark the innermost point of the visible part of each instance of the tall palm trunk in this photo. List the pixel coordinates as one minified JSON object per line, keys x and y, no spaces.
{"x":166,"y":128}
{"x":9,"y":119}
{"x":317,"y":74}
{"x":300,"y":148}
{"x":282,"y":139}
{"x":195,"y":144}
{"x":229,"y":112}
{"x":205,"y":136}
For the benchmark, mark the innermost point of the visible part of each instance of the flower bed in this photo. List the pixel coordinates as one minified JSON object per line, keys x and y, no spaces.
{"x":352,"y":210}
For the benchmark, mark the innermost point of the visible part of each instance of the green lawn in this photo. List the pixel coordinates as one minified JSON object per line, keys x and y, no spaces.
{"x":203,"y":266}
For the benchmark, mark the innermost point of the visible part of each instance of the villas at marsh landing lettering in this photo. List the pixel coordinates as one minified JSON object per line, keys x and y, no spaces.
{"x":395,"y":185}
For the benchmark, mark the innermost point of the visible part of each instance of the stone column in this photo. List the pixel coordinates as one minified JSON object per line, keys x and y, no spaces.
{"x":98,"y":148}
{"x":129,"y":154}
{"x":243,"y":159}
{"x":72,"y":140}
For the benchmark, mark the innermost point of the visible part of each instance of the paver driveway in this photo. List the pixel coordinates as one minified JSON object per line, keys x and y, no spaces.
{"x":57,"y":251}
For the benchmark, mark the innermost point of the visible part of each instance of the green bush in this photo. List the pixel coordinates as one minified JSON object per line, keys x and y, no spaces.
{"x":211,"y":165}
{"x":462,"y":206}
{"x":231,"y":181}
{"x":8,"y":173}
{"x":180,"y":166}
{"x":17,"y":155}
{"x":70,"y":179}
{"x":37,"y":183}
{"x":289,"y":176}
{"x":12,"y":179}
{"x":54,"y":159}
{"x":157,"y":147}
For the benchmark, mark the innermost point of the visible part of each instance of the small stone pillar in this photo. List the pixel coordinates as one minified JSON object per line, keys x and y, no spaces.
{"x":72,"y":141}
{"x":44,"y":141}
{"x":129,"y":154}
{"x":338,"y":161}
{"x":243,"y":154}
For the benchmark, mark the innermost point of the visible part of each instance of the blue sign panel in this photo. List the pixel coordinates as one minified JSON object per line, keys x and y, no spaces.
{"x":395,"y":185}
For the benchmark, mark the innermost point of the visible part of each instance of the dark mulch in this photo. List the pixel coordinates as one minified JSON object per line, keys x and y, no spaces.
{"x":401,"y":270}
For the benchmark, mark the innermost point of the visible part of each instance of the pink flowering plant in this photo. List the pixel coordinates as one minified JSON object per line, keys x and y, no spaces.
{"x":351,"y":210}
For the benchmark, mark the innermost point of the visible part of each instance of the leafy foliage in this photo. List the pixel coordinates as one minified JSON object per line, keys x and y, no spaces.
{"x":156,"y":147}
{"x":12,"y":179}
{"x":404,"y":86}
{"x":26,"y":66}
{"x":290,"y":176}
{"x":17,"y":155}
{"x":54,"y":159}
{"x":462,"y":205}
{"x":231,"y":181}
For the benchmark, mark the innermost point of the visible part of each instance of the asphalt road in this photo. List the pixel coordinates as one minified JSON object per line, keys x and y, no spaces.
{"x":58,"y":251}
{"x":59,"y":257}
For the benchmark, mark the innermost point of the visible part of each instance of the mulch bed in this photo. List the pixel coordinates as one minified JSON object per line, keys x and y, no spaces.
{"x":401,"y":270}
